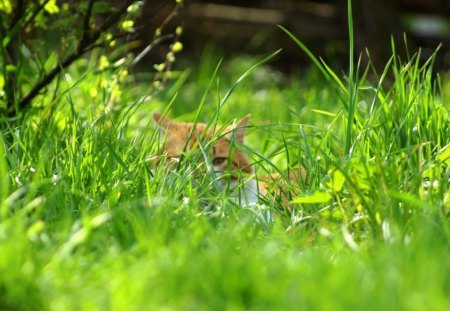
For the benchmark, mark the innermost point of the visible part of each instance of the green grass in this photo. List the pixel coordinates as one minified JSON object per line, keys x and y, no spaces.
{"x":85,"y":224}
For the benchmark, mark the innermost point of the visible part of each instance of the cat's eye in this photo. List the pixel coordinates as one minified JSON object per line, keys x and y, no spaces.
{"x":218,"y":161}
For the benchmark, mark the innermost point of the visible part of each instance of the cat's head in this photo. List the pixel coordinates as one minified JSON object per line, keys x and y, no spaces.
{"x":221,"y":143}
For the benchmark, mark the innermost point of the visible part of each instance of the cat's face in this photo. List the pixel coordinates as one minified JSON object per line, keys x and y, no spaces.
{"x":224,"y":153}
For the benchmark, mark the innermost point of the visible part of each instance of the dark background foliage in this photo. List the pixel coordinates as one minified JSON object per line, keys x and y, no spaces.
{"x":250,"y":26}
{"x":39,"y":44}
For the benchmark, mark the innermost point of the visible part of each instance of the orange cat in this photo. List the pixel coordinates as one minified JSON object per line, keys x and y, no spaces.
{"x":232,"y":168}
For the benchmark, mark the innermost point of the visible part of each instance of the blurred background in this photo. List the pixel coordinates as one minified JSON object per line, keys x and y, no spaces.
{"x":250,"y":27}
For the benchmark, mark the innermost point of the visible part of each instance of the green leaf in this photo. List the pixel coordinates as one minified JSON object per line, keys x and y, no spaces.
{"x":337,"y":181}
{"x":4,"y":178}
{"x":51,"y":7}
{"x":317,"y":197}
{"x":2,"y":82}
{"x":5,"y":6}
{"x":444,"y":155}
{"x":323,"y":112}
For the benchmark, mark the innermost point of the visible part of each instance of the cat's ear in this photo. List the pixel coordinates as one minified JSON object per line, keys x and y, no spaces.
{"x":161,"y":121}
{"x":241,"y":128}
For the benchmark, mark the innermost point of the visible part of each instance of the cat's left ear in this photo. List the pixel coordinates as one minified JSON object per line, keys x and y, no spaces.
{"x":241,"y":128}
{"x":161,"y":120}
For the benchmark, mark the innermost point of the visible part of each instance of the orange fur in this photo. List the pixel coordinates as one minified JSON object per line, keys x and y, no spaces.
{"x":185,"y":137}
{"x":182,"y":138}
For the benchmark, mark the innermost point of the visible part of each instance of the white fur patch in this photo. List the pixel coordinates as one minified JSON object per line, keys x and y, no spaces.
{"x":244,"y":192}
{"x":247,"y":194}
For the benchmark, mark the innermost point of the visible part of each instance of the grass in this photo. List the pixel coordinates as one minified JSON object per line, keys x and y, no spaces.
{"x":85,"y":224}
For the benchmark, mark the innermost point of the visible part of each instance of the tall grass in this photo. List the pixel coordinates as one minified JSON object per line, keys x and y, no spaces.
{"x":87,"y":223}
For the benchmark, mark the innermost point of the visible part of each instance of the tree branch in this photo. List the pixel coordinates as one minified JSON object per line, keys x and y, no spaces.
{"x":85,"y":36}
{"x":12,"y":51}
{"x":86,"y":44}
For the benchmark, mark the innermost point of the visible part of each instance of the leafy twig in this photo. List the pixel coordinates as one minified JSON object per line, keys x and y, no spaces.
{"x":86,"y":44}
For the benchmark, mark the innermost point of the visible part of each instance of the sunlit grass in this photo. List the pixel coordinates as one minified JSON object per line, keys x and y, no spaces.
{"x":87,"y":223}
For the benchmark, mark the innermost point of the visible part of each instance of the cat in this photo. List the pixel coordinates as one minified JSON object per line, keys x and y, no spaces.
{"x":232,"y":168}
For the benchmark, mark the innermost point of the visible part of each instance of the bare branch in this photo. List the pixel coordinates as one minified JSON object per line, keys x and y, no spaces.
{"x":86,"y":27}
{"x":11,"y":50}
{"x":18,"y":13}
{"x":149,"y":47}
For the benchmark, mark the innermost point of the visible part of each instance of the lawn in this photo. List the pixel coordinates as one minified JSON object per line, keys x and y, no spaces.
{"x":87,"y":224}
